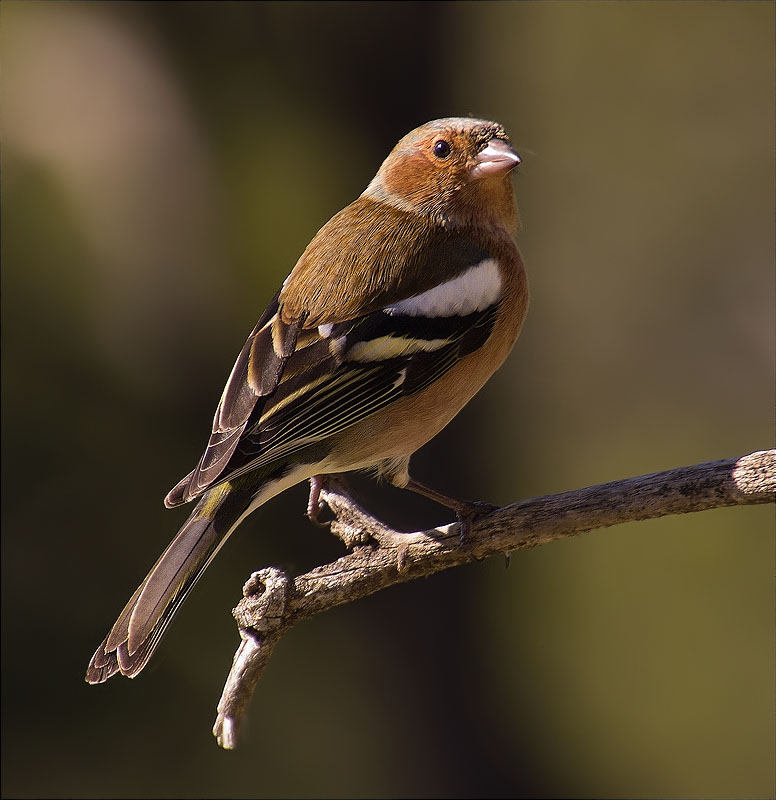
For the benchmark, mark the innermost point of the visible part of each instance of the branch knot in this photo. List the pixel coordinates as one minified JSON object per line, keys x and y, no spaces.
{"x":266,"y":598}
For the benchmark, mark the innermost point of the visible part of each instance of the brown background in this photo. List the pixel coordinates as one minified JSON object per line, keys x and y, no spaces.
{"x":163,"y":167}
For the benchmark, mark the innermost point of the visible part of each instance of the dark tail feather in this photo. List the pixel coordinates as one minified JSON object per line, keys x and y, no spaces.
{"x":142,"y":623}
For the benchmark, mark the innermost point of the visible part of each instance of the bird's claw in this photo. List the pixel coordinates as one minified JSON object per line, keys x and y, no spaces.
{"x":315,"y":516}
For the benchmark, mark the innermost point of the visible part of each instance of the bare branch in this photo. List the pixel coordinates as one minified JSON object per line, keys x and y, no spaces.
{"x":273,"y":603}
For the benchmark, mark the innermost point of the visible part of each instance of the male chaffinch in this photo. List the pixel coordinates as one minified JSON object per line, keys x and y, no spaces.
{"x":399,"y":310}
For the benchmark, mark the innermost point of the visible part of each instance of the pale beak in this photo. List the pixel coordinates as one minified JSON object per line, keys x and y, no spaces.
{"x":496,"y":159}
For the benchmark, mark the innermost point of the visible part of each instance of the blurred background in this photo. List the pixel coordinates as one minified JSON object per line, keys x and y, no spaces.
{"x":164,"y":165}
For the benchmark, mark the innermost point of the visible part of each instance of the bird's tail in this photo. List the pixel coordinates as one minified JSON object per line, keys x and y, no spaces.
{"x":141,"y":625}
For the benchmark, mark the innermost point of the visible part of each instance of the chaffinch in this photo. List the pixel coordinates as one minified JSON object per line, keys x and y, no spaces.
{"x":399,"y":310}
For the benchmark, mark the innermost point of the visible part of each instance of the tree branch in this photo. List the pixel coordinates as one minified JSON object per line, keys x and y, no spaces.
{"x":273,"y":603}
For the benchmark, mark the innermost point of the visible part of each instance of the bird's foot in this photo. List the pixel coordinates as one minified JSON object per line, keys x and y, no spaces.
{"x":468,"y":513}
{"x":314,"y":503}
{"x":333,"y":481}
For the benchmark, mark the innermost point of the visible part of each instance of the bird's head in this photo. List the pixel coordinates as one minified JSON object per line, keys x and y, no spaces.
{"x":455,"y":171}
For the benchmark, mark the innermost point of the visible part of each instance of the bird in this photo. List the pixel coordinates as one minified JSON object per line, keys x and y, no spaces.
{"x":398,"y":311}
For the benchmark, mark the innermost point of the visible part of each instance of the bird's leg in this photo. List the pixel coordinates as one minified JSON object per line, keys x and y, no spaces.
{"x":314,"y":503}
{"x":466,"y":510}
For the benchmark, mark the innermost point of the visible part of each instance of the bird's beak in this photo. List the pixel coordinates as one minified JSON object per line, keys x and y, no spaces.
{"x":496,"y":159}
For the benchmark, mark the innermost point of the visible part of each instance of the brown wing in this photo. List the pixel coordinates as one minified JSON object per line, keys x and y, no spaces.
{"x":335,"y":380}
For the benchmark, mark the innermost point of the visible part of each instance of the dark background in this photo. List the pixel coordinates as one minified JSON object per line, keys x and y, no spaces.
{"x":163,"y":167}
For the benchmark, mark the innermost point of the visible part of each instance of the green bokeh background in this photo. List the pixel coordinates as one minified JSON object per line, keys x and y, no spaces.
{"x":163,"y":167}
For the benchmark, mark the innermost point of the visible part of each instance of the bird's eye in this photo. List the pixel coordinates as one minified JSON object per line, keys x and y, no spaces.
{"x":441,"y":148}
